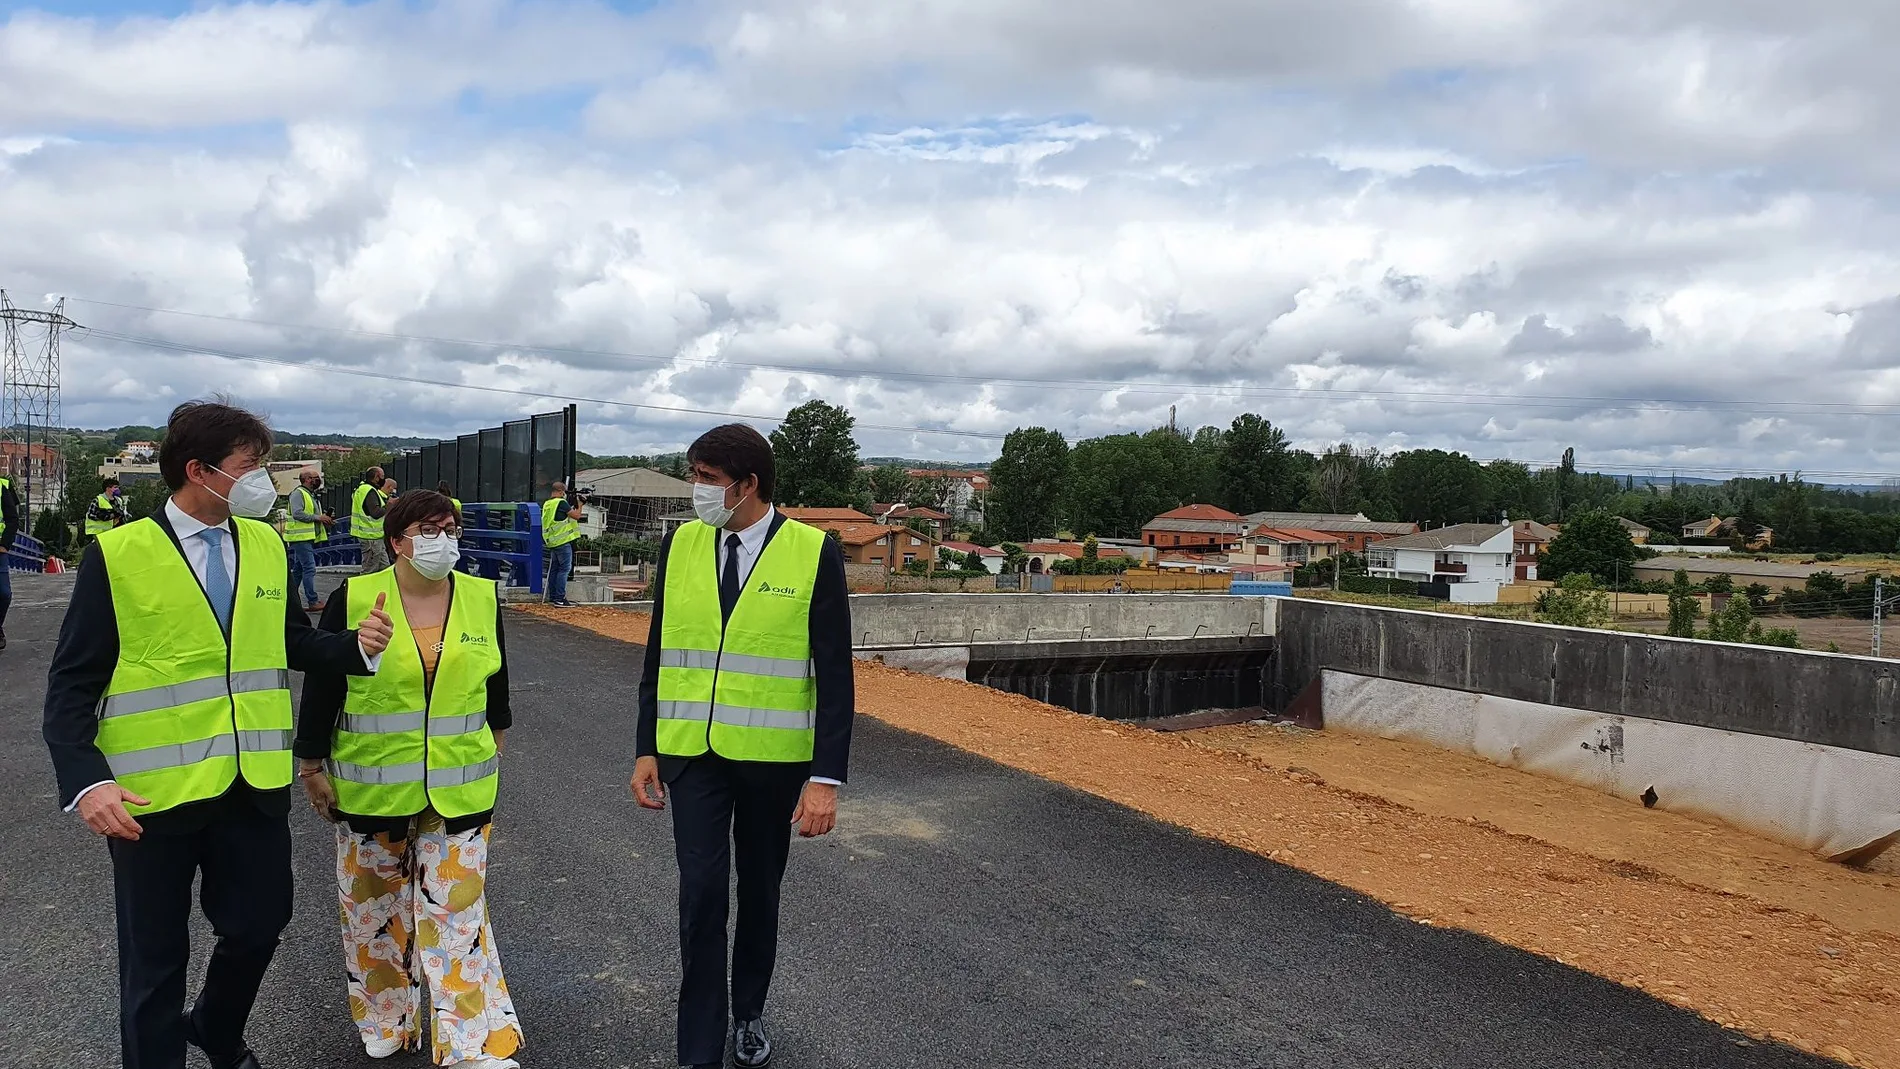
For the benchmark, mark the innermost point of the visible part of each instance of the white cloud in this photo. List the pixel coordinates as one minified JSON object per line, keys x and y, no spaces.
{"x":1411,"y":211}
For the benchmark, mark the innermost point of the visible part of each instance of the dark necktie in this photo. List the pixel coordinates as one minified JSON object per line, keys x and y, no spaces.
{"x":729,"y":579}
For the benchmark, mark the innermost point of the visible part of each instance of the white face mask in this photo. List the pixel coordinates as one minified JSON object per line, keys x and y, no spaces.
{"x":253,"y":494}
{"x":709,"y":504}
{"x":434,"y":557}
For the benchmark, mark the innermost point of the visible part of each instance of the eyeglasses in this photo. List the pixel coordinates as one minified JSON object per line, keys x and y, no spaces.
{"x":431,"y":530}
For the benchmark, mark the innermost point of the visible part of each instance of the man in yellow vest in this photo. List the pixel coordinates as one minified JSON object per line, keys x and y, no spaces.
{"x":106,"y":511}
{"x":367,"y":506}
{"x":560,"y":528}
{"x":746,"y":704}
{"x":168,"y":717}
{"x":308,"y":524}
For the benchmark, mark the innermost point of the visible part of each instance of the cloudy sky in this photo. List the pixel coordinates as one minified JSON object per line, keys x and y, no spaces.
{"x":1663,"y":231}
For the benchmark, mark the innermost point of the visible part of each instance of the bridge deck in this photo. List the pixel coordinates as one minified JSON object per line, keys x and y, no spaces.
{"x":965,"y":915}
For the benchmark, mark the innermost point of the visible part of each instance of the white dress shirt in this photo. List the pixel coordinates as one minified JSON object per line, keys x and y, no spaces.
{"x":751,"y":544}
{"x":198,"y":554}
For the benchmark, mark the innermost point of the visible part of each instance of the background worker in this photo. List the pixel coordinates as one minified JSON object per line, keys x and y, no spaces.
{"x":448,"y":491}
{"x":745,"y":719}
{"x":307,"y":525}
{"x":367,"y":506}
{"x":9,"y":530}
{"x":561,"y":518}
{"x":168,"y":716}
{"x":389,"y":490}
{"x":106,"y":511}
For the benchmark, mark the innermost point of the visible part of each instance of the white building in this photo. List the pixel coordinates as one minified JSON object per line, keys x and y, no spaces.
{"x":1474,"y":559}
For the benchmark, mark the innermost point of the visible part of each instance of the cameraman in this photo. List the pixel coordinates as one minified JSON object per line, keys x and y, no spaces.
{"x":561,"y":518}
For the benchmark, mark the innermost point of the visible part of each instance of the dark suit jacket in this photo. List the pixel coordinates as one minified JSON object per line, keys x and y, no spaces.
{"x":830,"y":654}
{"x":87,"y":652}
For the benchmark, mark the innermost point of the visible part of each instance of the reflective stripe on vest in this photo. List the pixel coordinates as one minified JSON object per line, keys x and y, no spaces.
{"x":362,"y":524}
{"x":556,"y":533}
{"x":404,"y":744}
{"x":102,"y":503}
{"x":187,"y":711}
{"x":299,"y":530}
{"x":743,"y":688}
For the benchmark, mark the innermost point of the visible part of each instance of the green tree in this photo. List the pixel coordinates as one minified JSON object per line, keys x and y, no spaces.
{"x":1120,"y":482}
{"x":146,"y":497}
{"x":1027,"y":484}
{"x":346,"y":470}
{"x":1014,"y":559}
{"x":1576,"y":602}
{"x":51,"y":531}
{"x":1256,"y":471}
{"x":1515,"y":492}
{"x":1434,"y":487}
{"x":816,"y":457}
{"x":1593,"y":544}
{"x":1566,"y":483}
{"x":1333,"y":484}
{"x":1683,"y":607}
{"x":1732,"y":623}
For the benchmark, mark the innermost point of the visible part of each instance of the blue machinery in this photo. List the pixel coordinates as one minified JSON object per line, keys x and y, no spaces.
{"x":493,"y":536}
{"x":27,"y":555}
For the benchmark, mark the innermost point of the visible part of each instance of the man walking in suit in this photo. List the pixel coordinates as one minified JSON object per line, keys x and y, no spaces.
{"x":168,"y":716}
{"x":745,"y":722}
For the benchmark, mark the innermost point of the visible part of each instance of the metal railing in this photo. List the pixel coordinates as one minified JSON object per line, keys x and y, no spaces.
{"x":27,"y":555}
{"x":509,"y":534}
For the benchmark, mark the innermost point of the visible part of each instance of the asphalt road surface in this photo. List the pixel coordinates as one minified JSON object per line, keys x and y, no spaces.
{"x":964,"y":915}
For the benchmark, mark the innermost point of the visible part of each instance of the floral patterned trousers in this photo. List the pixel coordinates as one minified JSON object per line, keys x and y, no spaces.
{"x":415,"y":916}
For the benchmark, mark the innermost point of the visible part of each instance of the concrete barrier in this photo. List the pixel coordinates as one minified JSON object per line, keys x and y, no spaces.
{"x":1822,"y":698}
{"x":960,"y":619}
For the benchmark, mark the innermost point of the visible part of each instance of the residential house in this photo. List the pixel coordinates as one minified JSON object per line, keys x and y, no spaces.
{"x":868,"y":542}
{"x":38,"y":473}
{"x":1731,"y":527}
{"x":632,"y":501}
{"x":1474,"y":559}
{"x":992,"y":558}
{"x":963,"y":494}
{"x":1528,"y":539}
{"x":1638,"y":533}
{"x":137,"y":462}
{"x":1196,"y":563}
{"x":902,"y":515}
{"x":1143,"y":555}
{"x":1709,"y":528}
{"x":1354,"y":530}
{"x":1042,"y":556}
{"x":1195,"y":529}
{"x":1279,"y":550}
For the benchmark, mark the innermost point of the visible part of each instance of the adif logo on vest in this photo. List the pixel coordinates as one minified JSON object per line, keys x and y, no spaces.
{"x":270,"y":593}
{"x":766,"y":587}
{"x":474,"y":640}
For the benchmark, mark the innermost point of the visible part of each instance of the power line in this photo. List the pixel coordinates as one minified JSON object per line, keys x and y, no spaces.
{"x":1462,"y":398}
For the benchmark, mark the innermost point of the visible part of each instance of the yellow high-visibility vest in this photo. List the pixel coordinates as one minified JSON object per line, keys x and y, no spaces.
{"x":362,"y":524}
{"x":298,"y":530}
{"x":102,"y":503}
{"x":556,"y":533}
{"x":405,"y":743}
{"x":741,"y":688}
{"x":188,"y":710}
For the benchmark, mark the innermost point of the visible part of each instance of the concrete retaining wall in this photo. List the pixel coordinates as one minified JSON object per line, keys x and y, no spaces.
{"x":961,"y":619}
{"x":1829,"y":699}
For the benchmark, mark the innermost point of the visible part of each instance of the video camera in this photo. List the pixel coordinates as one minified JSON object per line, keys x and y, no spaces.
{"x":581,"y":493}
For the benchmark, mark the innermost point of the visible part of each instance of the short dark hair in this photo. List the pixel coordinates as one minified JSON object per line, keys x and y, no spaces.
{"x":739,"y":451}
{"x":111,"y":481}
{"x":416,"y":506}
{"x":445,"y":489}
{"x":208,"y":432}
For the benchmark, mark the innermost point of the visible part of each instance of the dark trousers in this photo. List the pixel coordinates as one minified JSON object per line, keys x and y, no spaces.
{"x":727,"y":812}
{"x":243,"y":851}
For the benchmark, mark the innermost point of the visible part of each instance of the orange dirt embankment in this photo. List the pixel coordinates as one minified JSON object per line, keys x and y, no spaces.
{"x":1749,"y":934}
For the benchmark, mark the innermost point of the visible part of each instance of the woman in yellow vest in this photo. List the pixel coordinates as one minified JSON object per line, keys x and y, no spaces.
{"x":406,"y":763}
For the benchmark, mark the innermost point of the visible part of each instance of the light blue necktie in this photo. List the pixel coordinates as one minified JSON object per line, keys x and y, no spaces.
{"x":217,"y":579}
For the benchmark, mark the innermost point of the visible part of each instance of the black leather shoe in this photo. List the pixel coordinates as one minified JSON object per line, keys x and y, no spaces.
{"x":243,"y":1059}
{"x":751,"y":1049}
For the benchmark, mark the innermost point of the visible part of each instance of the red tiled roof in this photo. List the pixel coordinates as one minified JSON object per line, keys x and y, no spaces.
{"x":815,"y":516}
{"x":1199,"y":512}
{"x":972,"y":547}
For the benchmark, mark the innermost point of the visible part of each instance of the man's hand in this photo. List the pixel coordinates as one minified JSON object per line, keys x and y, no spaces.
{"x":375,"y":630}
{"x":103,"y":809}
{"x":498,"y":740}
{"x":318,"y":788}
{"x":647,"y":788}
{"x":326,"y":520}
{"x":817,"y":811}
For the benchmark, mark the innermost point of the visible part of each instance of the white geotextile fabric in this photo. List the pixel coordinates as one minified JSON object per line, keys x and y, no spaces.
{"x":1838,"y":803}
